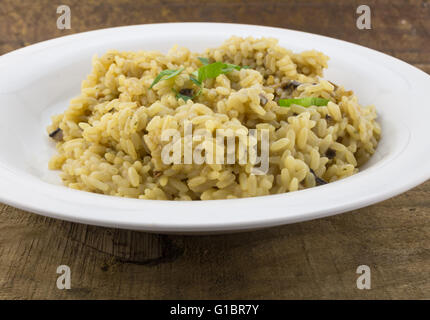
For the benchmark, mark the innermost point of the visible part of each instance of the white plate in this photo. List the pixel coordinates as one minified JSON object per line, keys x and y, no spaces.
{"x":38,"y":81}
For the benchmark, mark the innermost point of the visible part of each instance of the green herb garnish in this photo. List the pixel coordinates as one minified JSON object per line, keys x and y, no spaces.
{"x":207,"y":71}
{"x":305,"y":102}
{"x":196,"y":82}
{"x":165,"y":74}
{"x":205,"y":61}
{"x":213,"y":70}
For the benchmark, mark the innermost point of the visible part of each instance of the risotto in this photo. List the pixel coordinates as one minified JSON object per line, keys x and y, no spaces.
{"x":110,"y":138}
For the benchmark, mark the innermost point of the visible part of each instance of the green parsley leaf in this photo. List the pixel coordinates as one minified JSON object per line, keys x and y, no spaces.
{"x":213,"y":70}
{"x":205,"y":61}
{"x":305,"y":102}
{"x":209,"y":71}
{"x":165,"y":74}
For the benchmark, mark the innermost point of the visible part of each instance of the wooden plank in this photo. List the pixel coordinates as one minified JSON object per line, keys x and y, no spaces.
{"x":315,"y":259}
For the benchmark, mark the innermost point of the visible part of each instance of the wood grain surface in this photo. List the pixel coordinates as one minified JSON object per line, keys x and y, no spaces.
{"x":315,"y":259}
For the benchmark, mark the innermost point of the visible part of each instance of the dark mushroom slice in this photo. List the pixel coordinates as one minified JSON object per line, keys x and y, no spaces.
{"x":346,"y":93}
{"x":157,"y":174}
{"x":330,"y":153}
{"x":289,"y":87}
{"x":330,"y":120}
{"x":293,"y":84}
{"x":57,"y":134}
{"x":186,"y":92}
{"x":318,"y":180}
{"x":263,"y":99}
{"x":334,"y":85}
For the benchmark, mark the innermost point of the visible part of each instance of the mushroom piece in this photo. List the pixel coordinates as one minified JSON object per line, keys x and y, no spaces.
{"x":157,"y":174}
{"x":57,"y":134}
{"x":293,"y":84}
{"x":186,"y":92}
{"x":330,"y":153}
{"x":318,"y":180}
{"x":263,"y":99}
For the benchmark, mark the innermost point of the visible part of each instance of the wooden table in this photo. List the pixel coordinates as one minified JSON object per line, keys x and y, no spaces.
{"x":315,"y":259}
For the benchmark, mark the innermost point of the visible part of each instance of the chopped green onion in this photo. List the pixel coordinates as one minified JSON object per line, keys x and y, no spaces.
{"x":165,"y":74}
{"x":305,"y":102}
{"x":205,"y":61}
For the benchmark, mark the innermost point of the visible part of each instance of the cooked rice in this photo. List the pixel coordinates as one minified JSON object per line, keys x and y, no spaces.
{"x":111,"y":131}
